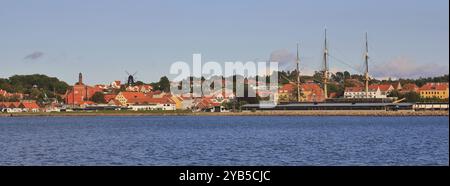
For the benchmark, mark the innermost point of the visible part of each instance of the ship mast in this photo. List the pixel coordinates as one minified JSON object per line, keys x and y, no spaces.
{"x":298,"y":76}
{"x":325,"y":67}
{"x":366,"y":73}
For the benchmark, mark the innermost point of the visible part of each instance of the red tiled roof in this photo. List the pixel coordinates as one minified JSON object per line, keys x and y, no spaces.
{"x":383,"y":87}
{"x":133,"y":95}
{"x":109,"y":97}
{"x":30,"y":105}
{"x":5,"y":104}
{"x":409,"y":87}
{"x":14,"y":105}
{"x":396,"y":85}
{"x":287,"y":87}
{"x":311,"y":87}
{"x":353,"y":89}
{"x":434,"y":86}
{"x":150,"y":100}
{"x":206,"y":103}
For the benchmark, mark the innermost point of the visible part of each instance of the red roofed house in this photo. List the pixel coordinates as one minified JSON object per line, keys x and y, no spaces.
{"x":128,"y":98}
{"x":24,"y":106}
{"x":109,"y":97}
{"x":434,"y":90}
{"x":209,"y":105}
{"x":311,"y":92}
{"x":80,"y":94}
{"x":30,"y":106}
{"x":285,"y":93}
{"x":8,"y":106}
{"x":384,"y":88}
{"x":410,"y":87}
{"x":140,"y":101}
{"x":397,"y":86}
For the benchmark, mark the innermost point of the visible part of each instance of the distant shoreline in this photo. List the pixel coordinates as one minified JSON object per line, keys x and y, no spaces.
{"x":257,"y":113}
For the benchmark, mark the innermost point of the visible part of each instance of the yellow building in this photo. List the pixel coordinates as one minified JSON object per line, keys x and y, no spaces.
{"x":434,"y":90}
{"x":178,"y":102}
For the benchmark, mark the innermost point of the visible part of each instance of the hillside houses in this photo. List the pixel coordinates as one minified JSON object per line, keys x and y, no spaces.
{"x":119,"y":96}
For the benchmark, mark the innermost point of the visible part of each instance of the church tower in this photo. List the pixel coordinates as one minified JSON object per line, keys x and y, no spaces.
{"x":80,"y":78}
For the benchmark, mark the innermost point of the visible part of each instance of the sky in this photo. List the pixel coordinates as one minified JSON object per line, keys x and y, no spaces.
{"x":104,"y":38}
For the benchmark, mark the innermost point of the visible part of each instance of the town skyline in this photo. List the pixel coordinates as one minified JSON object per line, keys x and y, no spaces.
{"x":105,"y":41}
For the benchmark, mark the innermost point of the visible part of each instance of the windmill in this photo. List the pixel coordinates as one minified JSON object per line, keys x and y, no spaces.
{"x":131,"y":78}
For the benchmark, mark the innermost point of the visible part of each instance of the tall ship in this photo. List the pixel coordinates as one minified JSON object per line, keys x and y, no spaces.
{"x":365,"y":101}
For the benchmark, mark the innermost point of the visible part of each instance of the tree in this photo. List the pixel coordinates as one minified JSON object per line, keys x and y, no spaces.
{"x":98,"y":97}
{"x":338,"y":89}
{"x":394,"y":93}
{"x":139,"y":83}
{"x":162,"y":85}
{"x":25,"y":83}
{"x":346,"y":75}
{"x":338,"y":77}
{"x":412,"y":97}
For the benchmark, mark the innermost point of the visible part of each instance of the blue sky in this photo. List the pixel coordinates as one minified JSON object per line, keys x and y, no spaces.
{"x":103,"y":38}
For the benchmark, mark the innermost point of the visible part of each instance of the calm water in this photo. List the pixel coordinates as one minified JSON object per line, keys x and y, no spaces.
{"x":228,"y":140}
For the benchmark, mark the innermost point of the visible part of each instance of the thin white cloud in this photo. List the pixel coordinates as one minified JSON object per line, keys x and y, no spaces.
{"x":403,"y":67}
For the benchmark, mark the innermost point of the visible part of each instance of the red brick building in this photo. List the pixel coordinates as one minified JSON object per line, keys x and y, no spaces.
{"x":80,"y":93}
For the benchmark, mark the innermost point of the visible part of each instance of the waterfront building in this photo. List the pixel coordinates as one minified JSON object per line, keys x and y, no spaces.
{"x":29,"y":106}
{"x":375,"y":91}
{"x":126,"y":98}
{"x":140,"y":101}
{"x":80,"y":94}
{"x":208,"y":105}
{"x":434,"y":90}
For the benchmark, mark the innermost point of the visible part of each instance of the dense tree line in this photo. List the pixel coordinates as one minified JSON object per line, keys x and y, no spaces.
{"x":37,"y":86}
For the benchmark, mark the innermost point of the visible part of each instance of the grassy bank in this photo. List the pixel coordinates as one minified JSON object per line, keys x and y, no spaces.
{"x":257,"y":113}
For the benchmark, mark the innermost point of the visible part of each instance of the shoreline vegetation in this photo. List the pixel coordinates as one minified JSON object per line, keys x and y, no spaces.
{"x":247,"y":113}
